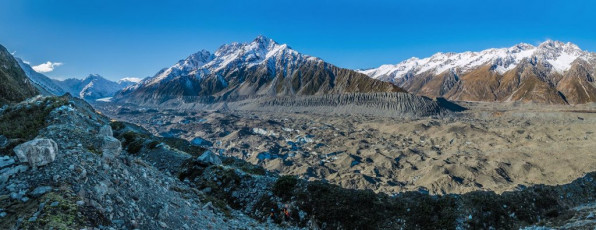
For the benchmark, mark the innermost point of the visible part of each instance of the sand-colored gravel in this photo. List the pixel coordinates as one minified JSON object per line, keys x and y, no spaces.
{"x":497,"y":147}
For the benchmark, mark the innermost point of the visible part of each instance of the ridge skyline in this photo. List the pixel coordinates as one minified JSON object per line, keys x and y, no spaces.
{"x":393,"y":62}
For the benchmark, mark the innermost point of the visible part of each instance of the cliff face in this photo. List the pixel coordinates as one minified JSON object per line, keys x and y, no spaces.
{"x":14,"y":84}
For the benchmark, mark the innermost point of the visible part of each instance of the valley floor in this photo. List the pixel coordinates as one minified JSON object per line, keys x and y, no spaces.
{"x":496,"y":147}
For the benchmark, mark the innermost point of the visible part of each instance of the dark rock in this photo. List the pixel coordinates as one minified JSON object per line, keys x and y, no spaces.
{"x":209,"y":157}
{"x":3,"y":141}
{"x":6,"y":173}
{"x":6,"y":161}
{"x":37,"y":192}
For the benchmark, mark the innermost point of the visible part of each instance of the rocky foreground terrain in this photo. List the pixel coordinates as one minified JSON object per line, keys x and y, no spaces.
{"x":73,"y":174}
{"x":64,"y":166}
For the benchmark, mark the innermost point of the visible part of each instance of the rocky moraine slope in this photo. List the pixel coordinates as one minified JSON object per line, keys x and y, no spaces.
{"x":74,"y":168}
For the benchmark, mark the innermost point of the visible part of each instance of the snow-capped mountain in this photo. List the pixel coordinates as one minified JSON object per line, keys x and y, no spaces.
{"x":558,"y":54}
{"x":91,"y":88}
{"x":235,"y":55}
{"x":128,"y":81}
{"x":44,"y":84}
{"x":451,"y":74}
{"x":261,"y":67}
{"x":94,"y":86}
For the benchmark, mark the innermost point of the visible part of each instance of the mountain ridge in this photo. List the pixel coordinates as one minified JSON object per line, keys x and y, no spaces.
{"x":15,"y":86}
{"x":44,"y":84}
{"x":262,"y":67}
{"x":94,"y":86}
{"x":518,"y":73}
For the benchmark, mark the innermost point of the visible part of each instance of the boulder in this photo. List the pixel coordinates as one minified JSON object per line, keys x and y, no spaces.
{"x":208,"y":158}
{"x":37,"y":152}
{"x":110,"y":147}
{"x":106,"y":130}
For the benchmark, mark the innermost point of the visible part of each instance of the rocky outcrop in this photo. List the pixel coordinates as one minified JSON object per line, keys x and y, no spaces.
{"x":37,"y":152}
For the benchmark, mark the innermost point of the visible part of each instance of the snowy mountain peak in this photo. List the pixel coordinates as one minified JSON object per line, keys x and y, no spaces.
{"x":195,"y":60}
{"x":93,"y":77}
{"x":557,"y":54}
{"x":558,"y":45}
{"x":129,"y":79}
{"x":560,"y":55}
{"x":265,"y":41}
{"x":228,"y":56}
{"x":92,"y":87}
{"x":522,"y":47}
{"x":201,"y":56}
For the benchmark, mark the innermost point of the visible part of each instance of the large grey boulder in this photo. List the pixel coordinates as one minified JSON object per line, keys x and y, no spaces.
{"x":106,"y":130}
{"x":208,"y":158}
{"x":38,"y":152}
{"x":110,"y":147}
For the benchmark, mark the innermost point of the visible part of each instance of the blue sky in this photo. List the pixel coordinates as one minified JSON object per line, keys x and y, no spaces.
{"x":137,"y":38}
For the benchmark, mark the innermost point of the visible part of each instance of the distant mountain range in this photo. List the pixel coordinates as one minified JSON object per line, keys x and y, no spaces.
{"x":262,"y":67}
{"x":91,"y":88}
{"x":552,"y":72}
{"x":94,"y":86}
